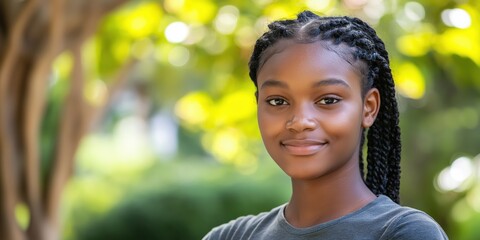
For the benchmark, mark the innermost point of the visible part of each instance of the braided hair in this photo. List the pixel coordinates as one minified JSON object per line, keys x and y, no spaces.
{"x":383,"y":137}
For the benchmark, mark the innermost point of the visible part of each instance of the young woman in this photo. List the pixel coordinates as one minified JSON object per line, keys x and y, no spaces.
{"x":321,"y":83}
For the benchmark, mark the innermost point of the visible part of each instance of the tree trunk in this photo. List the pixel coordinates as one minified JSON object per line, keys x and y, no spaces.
{"x":32,"y":34}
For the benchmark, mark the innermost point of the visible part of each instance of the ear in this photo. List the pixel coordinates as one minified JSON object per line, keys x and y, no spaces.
{"x":371,"y":106}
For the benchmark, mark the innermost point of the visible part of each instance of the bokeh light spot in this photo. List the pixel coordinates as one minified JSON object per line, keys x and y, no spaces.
{"x":226,"y":144}
{"x":178,"y":56}
{"x":226,"y":20}
{"x":414,"y":11}
{"x":453,"y":177}
{"x":456,"y":17}
{"x":176,"y":32}
{"x":196,"y":34}
{"x":374,"y":9}
{"x":245,"y":37}
{"x":319,"y":5}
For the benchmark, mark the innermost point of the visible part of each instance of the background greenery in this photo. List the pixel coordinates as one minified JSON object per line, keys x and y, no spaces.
{"x":178,"y":150}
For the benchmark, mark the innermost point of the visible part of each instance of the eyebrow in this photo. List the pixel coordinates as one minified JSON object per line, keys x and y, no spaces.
{"x":273,"y":83}
{"x":321,"y":83}
{"x":331,"y":81}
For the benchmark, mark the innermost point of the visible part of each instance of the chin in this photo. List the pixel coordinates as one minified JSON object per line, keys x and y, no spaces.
{"x":302,"y":174}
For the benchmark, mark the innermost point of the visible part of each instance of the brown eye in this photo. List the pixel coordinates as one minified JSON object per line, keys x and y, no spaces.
{"x":277,"y":102}
{"x":328,"y":101}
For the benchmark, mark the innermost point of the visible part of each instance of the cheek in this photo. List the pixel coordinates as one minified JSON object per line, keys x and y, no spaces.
{"x":269,"y":124}
{"x":344,"y":124}
{"x":265,"y":121}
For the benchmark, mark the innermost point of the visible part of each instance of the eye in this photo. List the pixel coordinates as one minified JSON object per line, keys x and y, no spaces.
{"x":277,"y":101}
{"x":328,"y":101}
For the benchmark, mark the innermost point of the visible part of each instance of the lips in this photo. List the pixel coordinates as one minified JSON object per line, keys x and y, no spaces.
{"x":303,"y":147}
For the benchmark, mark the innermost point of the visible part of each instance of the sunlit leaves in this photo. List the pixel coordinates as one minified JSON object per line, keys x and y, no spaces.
{"x":197,"y":11}
{"x":234,"y":107}
{"x":463,"y":42}
{"x":231,"y":146}
{"x":225,"y":144}
{"x":409,"y":80}
{"x":207,"y":41}
{"x":223,"y":122}
{"x":415,"y":45}
{"x":120,"y":50}
{"x":140,"y":21}
{"x":281,"y":10}
{"x":463,"y":36}
{"x":199,"y":109}
{"x":126,"y":34}
{"x":194,"y":108}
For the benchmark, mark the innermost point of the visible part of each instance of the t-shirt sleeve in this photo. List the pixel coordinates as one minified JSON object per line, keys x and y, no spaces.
{"x":220,"y":232}
{"x":228,"y":230}
{"x":213,"y":234}
{"x":415,"y":225}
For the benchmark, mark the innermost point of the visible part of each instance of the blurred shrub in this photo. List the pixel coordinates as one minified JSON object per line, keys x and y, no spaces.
{"x":187,"y":209}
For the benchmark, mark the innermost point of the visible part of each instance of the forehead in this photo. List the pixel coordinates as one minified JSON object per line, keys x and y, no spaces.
{"x":318,"y":59}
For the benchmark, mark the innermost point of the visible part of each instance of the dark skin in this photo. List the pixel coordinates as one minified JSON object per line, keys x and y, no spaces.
{"x":311,"y":113}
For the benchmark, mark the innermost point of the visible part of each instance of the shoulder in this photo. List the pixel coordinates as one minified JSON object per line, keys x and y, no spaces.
{"x":409,"y":223}
{"x":244,"y":226}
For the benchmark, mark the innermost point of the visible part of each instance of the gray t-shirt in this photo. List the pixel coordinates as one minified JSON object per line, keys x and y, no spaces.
{"x":380,"y":219}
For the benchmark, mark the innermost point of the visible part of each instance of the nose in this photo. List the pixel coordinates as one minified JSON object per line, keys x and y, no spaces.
{"x":302,"y":120}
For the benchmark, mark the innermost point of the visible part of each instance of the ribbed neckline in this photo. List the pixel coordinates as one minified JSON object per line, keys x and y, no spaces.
{"x":282,"y":221}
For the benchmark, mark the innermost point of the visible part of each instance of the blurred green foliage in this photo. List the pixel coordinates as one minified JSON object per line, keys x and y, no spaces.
{"x":189,"y":97}
{"x":171,"y":207}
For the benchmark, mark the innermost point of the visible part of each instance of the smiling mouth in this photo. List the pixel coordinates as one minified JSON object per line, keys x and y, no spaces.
{"x":304,"y":147}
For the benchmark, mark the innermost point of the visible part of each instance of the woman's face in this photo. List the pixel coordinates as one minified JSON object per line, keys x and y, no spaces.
{"x":311,"y":111}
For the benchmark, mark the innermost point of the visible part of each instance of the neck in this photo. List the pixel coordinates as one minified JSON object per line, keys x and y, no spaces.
{"x":327,"y":198}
